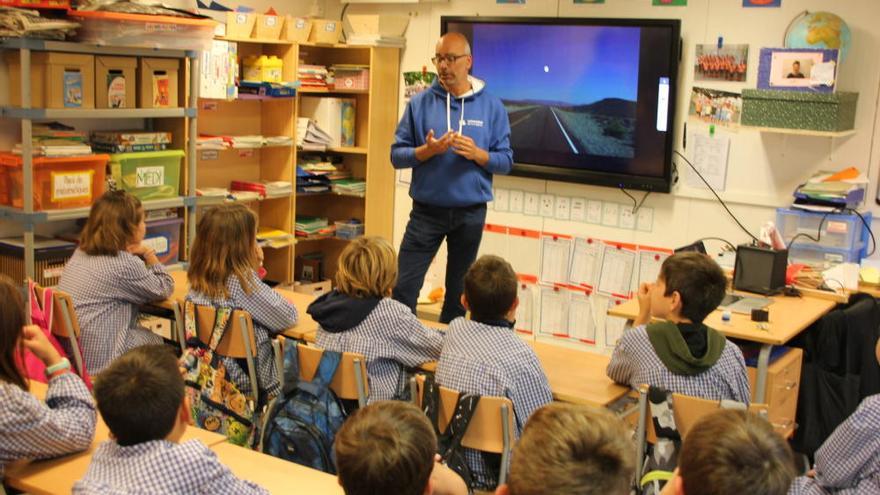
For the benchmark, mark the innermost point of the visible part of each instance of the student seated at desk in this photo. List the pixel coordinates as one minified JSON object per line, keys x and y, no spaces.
{"x":484,"y":356}
{"x":848,"y":462}
{"x":110,"y":276}
{"x":571,"y":449}
{"x":389,"y":447}
{"x":681,"y":354}
{"x":732,"y":452}
{"x":360,"y":316}
{"x":141,"y":398}
{"x":29,"y":428}
{"x":222,"y":271}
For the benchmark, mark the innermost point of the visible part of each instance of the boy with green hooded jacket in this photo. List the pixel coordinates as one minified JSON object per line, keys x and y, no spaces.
{"x":681,"y":354}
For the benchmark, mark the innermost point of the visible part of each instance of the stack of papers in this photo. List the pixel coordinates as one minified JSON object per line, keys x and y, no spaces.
{"x":310,"y":137}
{"x":246,"y":142}
{"x":279,"y":141}
{"x":313,"y":227}
{"x":213,"y":192}
{"x":274,"y":238}
{"x":56,"y":140}
{"x":376,"y":40}
{"x":130,"y":141}
{"x":205,"y":142}
{"x":349,"y":186}
{"x":56,"y":149}
{"x":828,"y":191}
{"x":309,"y":182}
{"x":278,"y":188}
{"x":312,"y":76}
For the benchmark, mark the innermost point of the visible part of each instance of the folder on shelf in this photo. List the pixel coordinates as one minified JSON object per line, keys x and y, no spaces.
{"x":335,"y":116}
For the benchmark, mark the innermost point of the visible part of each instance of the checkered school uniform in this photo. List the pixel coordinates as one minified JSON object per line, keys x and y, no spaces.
{"x":107,"y":292}
{"x":271,"y":313}
{"x":390,"y":337}
{"x":635,"y":362}
{"x":492,"y":361}
{"x":160,"y":466}
{"x":31,"y":429}
{"x":848,"y":463}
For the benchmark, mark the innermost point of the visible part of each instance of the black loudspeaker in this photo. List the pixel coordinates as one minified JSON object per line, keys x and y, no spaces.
{"x":760,"y":270}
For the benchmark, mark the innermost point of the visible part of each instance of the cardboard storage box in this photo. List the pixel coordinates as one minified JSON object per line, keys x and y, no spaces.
{"x":799,"y":110}
{"x":325,"y":31}
{"x":58,"y":80}
{"x":115,"y":82}
{"x":240,"y":24}
{"x":50,"y":256}
{"x":158,"y":83}
{"x":314,"y":288}
{"x":296,"y":29}
{"x":268,"y":27}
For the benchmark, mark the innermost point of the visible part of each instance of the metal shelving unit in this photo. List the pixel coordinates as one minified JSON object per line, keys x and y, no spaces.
{"x":27,"y":217}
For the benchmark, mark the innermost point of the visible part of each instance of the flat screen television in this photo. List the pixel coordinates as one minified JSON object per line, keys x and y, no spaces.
{"x":589,"y":100}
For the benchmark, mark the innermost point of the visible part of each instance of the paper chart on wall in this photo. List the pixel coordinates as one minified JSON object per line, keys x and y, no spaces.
{"x":554,"y":312}
{"x":555,"y":254}
{"x":525,"y":311}
{"x":650,"y":261}
{"x":710,"y":157}
{"x":615,"y":274}
{"x":585,"y":262}
{"x":581,"y":322}
{"x":524,"y":248}
{"x":614,"y":325}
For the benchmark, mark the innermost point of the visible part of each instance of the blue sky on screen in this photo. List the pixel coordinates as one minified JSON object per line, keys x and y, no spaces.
{"x":575,"y":64}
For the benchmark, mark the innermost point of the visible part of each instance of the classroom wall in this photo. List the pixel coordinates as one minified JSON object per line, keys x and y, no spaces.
{"x":763,"y":168}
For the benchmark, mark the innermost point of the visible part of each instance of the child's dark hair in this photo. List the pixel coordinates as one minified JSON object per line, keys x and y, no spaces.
{"x":140,"y":393}
{"x":490,"y":288}
{"x":698,"y":280}
{"x":386,"y":447}
{"x":11,"y":324}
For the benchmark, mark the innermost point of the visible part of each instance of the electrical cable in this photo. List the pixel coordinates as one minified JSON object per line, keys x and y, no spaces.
{"x":725,"y":241}
{"x":637,"y":205}
{"x":868,"y":227}
{"x":717,"y":196}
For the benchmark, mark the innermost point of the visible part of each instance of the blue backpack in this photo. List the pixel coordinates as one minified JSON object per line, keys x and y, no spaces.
{"x":302,"y":422}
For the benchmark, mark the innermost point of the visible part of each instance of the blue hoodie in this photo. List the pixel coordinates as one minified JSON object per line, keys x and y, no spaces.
{"x":450,"y":180}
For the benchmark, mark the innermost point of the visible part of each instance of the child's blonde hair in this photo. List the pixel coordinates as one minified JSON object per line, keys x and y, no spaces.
{"x":225,"y":245}
{"x":367,"y":268}
{"x":112,"y":224}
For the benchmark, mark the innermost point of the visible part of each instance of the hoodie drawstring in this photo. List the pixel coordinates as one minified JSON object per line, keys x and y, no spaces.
{"x":449,"y":115}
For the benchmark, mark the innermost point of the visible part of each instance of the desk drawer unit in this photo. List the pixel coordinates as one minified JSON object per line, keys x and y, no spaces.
{"x":783,"y":384}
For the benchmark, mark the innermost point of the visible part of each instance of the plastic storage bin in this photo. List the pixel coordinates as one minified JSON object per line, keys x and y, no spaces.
{"x":58,"y":80}
{"x":59,"y":183}
{"x":158,"y":82}
{"x":823,"y":257}
{"x":839,"y":231}
{"x":148,"y":175}
{"x":349,"y":229}
{"x":163,"y":236}
{"x":263,"y":69}
{"x":150,"y":31}
{"x":115,"y":82}
{"x":50,"y":256}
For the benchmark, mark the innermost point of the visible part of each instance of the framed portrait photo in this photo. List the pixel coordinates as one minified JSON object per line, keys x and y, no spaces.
{"x":798,"y":69}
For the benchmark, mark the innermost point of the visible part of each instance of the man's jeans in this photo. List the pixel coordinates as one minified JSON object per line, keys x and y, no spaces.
{"x":428,"y":226}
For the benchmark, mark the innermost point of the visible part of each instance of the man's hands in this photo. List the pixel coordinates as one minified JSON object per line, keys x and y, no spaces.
{"x":461,"y":145}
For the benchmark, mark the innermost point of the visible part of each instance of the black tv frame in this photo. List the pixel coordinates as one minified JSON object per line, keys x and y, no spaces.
{"x":608,"y":179}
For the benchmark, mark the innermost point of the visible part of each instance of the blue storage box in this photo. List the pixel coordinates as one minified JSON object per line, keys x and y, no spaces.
{"x":843,"y":237}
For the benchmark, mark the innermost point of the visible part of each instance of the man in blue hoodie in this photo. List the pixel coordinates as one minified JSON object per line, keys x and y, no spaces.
{"x":452,"y":173}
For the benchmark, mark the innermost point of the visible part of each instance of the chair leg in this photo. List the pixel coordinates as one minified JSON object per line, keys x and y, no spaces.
{"x":359,"y":380}
{"x":505,"y":440}
{"x":74,"y":345}
{"x":181,"y":331}
{"x":277,"y":348}
{"x":414,"y":392}
{"x":252,"y":369}
{"x":640,"y":432}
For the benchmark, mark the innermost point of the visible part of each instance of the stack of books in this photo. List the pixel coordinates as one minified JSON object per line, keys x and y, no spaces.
{"x":312,"y":76}
{"x":261,"y":189}
{"x":313,"y":227}
{"x":311,"y":182}
{"x":827,"y":191}
{"x":130,"y":141}
{"x":56,"y":140}
{"x":310,"y":137}
{"x":349,"y":186}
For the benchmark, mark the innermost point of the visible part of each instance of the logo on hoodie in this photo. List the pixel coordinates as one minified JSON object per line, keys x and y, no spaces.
{"x":474,"y":123}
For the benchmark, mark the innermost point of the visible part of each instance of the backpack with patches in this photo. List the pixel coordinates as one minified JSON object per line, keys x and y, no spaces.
{"x":301,"y":423}
{"x":449,"y":441}
{"x":663,"y":456}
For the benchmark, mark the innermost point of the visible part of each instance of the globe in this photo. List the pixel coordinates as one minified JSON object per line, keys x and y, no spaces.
{"x":819,"y":30}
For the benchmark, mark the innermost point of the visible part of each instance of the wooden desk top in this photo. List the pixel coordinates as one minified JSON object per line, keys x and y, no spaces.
{"x":789,"y":316}
{"x":54,"y":476}
{"x":575,"y":376}
{"x":301,"y":331}
{"x":276,"y":475}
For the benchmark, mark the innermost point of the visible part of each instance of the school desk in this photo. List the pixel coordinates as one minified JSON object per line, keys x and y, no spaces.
{"x":58,"y":475}
{"x":274,"y":474}
{"x":789,"y":316}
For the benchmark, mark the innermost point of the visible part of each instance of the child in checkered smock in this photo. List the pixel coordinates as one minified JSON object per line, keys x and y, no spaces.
{"x":222,"y":271}
{"x":360,"y":316}
{"x":31,"y":429}
{"x":110,"y":276}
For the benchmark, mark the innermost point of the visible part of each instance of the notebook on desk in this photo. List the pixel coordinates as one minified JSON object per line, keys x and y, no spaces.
{"x":736,"y":303}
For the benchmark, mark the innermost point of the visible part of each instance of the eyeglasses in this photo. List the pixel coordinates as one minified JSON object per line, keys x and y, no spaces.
{"x":449,"y":59}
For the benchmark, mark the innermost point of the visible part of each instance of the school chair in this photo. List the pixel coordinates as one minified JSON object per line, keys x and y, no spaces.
{"x":239,"y":341}
{"x":67,"y":326}
{"x":687,"y":410}
{"x":350,"y":381}
{"x":491,"y":428}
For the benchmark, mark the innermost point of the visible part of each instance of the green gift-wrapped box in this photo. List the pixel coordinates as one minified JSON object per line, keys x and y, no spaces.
{"x":831,"y":112}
